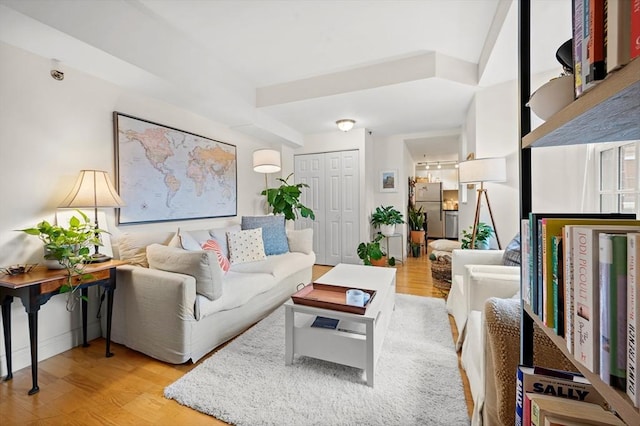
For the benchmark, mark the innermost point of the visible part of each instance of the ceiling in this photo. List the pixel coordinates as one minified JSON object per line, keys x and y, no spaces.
{"x":280,"y":70}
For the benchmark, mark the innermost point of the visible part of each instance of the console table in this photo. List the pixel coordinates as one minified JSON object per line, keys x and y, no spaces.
{"x":35,"y":288}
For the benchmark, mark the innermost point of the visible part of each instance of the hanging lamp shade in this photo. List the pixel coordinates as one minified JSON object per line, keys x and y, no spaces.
{"x":266,"y":161}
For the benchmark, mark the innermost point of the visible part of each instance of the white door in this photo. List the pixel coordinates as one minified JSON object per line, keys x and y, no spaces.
{"x":334,"y":197}
{"x":310,"y":169}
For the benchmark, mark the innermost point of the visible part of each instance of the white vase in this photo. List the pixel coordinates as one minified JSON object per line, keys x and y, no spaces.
{"x":388,"y":230}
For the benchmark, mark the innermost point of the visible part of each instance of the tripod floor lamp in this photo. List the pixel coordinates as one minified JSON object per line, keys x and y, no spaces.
{"x":266,"y":161}
{"x":483,"y":170}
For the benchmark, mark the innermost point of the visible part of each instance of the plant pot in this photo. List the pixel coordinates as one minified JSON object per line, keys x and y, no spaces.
{"x":417,"y":237}
{"x":388,"y":230}
{"x":380,"y":262}
{"x":481,"y":245}
{"x":415,"y":250}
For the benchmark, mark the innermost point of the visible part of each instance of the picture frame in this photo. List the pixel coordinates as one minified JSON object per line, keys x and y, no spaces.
{"x":388,"y":181}
{"x":167,"y":174}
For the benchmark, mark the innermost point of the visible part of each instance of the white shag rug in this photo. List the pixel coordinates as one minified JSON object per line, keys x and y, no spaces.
{"x":417,"y":379}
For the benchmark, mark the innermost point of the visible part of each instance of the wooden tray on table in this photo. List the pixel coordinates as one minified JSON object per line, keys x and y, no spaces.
{"x":328,"y":296}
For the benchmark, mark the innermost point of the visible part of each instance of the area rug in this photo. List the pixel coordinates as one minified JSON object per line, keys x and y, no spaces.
{"x":417,"y":380}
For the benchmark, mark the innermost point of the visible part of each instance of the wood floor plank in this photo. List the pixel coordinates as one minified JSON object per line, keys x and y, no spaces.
{"x":83,"y":387}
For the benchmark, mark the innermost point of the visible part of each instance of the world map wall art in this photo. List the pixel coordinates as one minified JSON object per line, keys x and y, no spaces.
{"x":168,"y":174}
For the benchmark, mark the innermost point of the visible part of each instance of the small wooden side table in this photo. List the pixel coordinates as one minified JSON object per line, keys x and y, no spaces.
{"x":35,"y":288}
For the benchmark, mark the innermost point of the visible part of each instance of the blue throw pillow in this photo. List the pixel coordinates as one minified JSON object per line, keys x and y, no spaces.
{"x":274,"y":235}
{"x":511,"y":255}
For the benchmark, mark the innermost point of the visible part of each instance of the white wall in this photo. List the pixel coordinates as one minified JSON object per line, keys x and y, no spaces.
{"x":557,"y":173}
{"x":49,"y":131}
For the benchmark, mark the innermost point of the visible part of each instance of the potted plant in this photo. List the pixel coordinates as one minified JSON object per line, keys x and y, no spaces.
{"x":386,"y":218}
{"x":371,"y":253}
{"x":286,"y":200}
{"x":483,"y":234}
{"x":68,"y":248}
{"x":416,"y":224}
{"x":415,"y":249}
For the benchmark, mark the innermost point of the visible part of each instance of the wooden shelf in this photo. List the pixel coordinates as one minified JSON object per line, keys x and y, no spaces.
{"x":618,"y":400}
{"x":608,"y":112}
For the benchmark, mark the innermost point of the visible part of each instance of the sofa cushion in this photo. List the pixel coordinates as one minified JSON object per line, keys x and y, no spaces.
{"x":238,"y":289}
{"x":220,"y":235}
{"x":215,"y":247}
{"x":301,"y":240}
{"x":202,"y":265}
{"x":279,"y":265}
{"x":185,"y":240}
{"x":246,"y":246}
{"x":274,"y":235}
{"x":445,"y":245}
{"x":132,"y":246}
{"x":511,"y":256}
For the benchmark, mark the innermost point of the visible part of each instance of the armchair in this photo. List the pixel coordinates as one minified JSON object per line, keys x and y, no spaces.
{"x":477,"y":275}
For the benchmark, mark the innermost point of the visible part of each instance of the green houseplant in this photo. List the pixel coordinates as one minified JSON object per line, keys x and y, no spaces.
{"x":371,"y":252}
{"x":483,"y":234}
{"x":286,"y":200}
{"x":70,"y":247}
{"x":416,"y":224}
{"x":386,"y":218}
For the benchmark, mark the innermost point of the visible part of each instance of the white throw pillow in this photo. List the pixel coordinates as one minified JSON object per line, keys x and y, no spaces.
{"x":301,"y":240}
{"x":202,"y":265}
{"x":246,"y":246}
{"x":184,"y":240}
{"x":445,"y":245}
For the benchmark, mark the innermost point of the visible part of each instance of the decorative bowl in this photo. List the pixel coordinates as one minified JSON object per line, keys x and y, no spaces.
{"x":24,"y":268}
{"x":552,"y":96}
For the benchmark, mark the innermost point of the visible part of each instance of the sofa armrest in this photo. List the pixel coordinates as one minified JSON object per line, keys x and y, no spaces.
{"x":501,"y":330}
{"x":461,"y":258}
{"x":484,"y":285}
{"x":153,"y":310}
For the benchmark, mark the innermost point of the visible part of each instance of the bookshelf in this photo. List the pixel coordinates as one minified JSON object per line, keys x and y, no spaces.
{"x":608,"y":112}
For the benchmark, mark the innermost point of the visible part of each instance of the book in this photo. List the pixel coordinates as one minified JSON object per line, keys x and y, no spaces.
{"x":617,"y":33}
{"x":586,"y":290}
{"x":543,"y":406}
{"x":552,"y":226}
{"x":324,"y":322}
{"x":578,"y":34}
{"x":605,"y":262}
{"x":547,"y":381}
{"x":597,"y":69}
{"x":525,"y":253}
{"x":557,"y":284}
{"x":633,"y":308}
{"x":635,"y":29}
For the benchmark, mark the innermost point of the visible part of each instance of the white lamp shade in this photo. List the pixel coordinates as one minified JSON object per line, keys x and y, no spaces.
{"x":483,"y":170}
{"x":266,"y":161}
{"x":345,"y":124}
{"x":93,"y":188}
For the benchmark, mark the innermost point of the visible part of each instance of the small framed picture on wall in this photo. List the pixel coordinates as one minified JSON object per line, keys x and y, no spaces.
{"x":389,"y":181}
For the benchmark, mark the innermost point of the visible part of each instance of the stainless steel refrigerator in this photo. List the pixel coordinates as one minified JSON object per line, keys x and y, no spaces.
{"x":429,"y":197}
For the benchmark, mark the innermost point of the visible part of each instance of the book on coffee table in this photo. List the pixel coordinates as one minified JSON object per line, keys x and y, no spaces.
{"x":324,"y":322}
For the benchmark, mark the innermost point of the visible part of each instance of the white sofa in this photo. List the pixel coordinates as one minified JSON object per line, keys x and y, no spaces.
{"x":477,"y":275}
{"x":159,"y":313}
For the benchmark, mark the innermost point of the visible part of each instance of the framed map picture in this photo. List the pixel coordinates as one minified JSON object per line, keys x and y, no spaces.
{"x":168,"y":174}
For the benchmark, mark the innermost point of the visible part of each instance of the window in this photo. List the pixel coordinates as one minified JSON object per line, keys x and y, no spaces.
{"x":618,"y":191}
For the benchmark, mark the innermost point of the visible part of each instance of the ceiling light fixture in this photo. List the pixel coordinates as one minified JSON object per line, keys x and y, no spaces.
{"x":439,"y":165}
{"x":345,"y":124}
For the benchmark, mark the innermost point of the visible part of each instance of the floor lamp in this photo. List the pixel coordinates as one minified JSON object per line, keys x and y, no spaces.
{"x":483,"y":170}
{"x":93,"y":189}
{"x":266,"y":161}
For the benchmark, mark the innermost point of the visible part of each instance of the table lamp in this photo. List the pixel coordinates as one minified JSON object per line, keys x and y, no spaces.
{"x":93,"y":189}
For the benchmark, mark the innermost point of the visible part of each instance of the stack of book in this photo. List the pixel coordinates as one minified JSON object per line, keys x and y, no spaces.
{"x":582,"y":283}
{"x":554,"y":397}
{"x":606,"y":36}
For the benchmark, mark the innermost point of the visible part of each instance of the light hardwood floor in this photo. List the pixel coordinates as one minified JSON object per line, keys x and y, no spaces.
{"x":82,"y":387}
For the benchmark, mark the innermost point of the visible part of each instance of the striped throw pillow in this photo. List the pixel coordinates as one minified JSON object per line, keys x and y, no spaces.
{"x":222,"y":259}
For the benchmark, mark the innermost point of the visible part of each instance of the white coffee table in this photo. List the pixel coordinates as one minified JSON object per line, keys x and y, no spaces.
{"x":357,"y":340}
